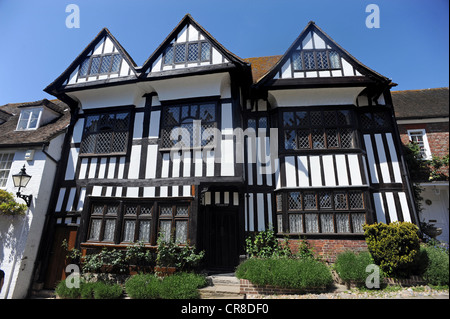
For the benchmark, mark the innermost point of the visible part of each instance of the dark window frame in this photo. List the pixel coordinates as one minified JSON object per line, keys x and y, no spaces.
{"x":168,"y":124}
{"x":304,"y":135}
{"x":173,"y":47}
{"x":120,"y":218}
{"x":98,"y":130}
{"x":89,"y":60}
{"x":283,"y":211}
{"x":301,"y":54}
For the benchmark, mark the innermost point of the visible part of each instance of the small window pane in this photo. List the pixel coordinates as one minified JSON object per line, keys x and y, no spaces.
{"x":295,"y":223}
{"x":129,"y":230}
{"x":294,"y":201}
{"x":310,"y":201}
{"x":342,"y":223}
{"x":340,"y":201}
{"x":181,"y":232}
{"x":311,"y":223}
{"x":182,"y":211}
{"x":302,"y":119}
{"x":326,"y":222}
{"x":322,"y":61}
{"x":334,"y":60}
{"x":289,"y":140}
{"x":206,"y":51}
{"x":84,"y":67}
{"x":168,"y":57}
{"x":144,"y":231}
{"x":166,"y":211}
{"x":95,"y":229}
{"x":193,"y":52}
{"x":358,"y":221}
{"x":95,"y":65}
{"x":110,"y":227}
{"x":164,"y":229}
{"x":180,"y":53}
{"x":116,"y":63}
{"x":297,"y":61}
{"x":208,"y":112}
{"x":309,"y":60}
{"x":279,"y":202}
{"x":280,"y":223}
{"x":318,"y":139}
{"x":325,"y":200}
{"x":106,"y":63}
{"x":288,"y":119}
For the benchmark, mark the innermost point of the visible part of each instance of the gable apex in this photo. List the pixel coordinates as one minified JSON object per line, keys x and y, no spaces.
{"x":187,"y":31}
{"x":103,"y":58}
{"x":314,"y":54}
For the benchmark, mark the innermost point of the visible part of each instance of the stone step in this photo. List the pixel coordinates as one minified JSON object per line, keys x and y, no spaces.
{"x":222,"y":286}
{"x":42,"y":294}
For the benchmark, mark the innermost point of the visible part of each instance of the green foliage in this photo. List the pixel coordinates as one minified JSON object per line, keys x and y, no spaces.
{"x":351,"y":267}
{"x":89,"y":290}
{"x":8,"y":205}
{"x":437,"y":265}
{"x":178,"y":286}
{"x":285,"y":273}
{"x":393,"y":247}
{"x":112,"y":261}
{"x":138,"y":255}
{"x":169,"y":254}
{"x":264,"y":244}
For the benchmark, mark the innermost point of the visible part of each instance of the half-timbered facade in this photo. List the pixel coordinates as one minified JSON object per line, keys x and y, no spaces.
{"x":205,"y":147}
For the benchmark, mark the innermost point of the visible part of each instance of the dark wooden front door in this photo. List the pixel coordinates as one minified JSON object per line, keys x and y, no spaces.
{"x":58,"y":262}
{"x":220,"y":237}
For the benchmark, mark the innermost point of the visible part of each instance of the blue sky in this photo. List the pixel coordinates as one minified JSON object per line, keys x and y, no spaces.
{"x":411,"y":46}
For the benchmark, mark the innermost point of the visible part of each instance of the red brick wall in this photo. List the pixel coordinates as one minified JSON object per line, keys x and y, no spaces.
{"x":328,"y":249}
{"x":437,"y":135}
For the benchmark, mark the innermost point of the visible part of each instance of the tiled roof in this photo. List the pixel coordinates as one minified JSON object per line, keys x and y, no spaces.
{"x":262,"y":65}
{"x":419,"y":104}
{"x":9,"y":137}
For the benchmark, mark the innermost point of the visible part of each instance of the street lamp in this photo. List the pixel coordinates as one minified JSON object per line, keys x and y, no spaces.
{"x":21,"y":180}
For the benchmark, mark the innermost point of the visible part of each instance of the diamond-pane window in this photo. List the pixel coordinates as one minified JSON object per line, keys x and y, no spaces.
{"x":334,"y":60}
{"x":309,"y":60}
{"x":332,"y":138}
{"x":340,"y":201}
{"x":294,"y":201}
{"x":326,"y":222}
{"x":316,"y":118}
{"x":84,"y":67}
{"x":95,"y":65}
{"x":302,"y":118}
{"x":279,"y":202}
{"x":206,"y":51}
{"x":180,"y":53}
{"x":297,"y":61}
{"x":342,"y":223}
{"x":168,"y":56}
{"x":322,"y":61}
{"x":303,"y":139}
{"x":193,"y":52}
{"x":289,"y":140}
{"x":165,"y":211}
{"x":358,"y":221}
{"x":318,"y":140}
{"x":116,"y":63}
{"x":182,"y":211}
{"x":131,"y":210}
{"x":355,"y":200}
{"x":105,"y":134}
{"x":347,"y":138}
{"x":325,"y":200}
{"x":144,"y":231}
{"x":311,"y":223}
{"x":288,"y":119}
{"x":310,"y":201}
{"x":106,"y":63}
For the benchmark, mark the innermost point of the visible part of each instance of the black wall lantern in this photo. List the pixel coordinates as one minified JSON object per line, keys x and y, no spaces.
{"x":21,"y":180}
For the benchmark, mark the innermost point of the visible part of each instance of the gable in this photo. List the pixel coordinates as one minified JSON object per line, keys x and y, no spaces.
{"x":103,"y":59}
{"x":315,"y":55}
{"x":189,"y":45}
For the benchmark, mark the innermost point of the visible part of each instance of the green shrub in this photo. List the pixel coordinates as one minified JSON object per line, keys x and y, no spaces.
{"x":143,"y":286}
{"x":89,"y":290}
{"x":394,"y":247}
{"x":285,"y":273}
{"x":437,"y":270}
{"x":178,"y":286}
{"x":351,"y":267}
{"x":264,"y":244}
{"x":9,"y":206}
{"x":170,"y":254}
{"x":182,"y":286}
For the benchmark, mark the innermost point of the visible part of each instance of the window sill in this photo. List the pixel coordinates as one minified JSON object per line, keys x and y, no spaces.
{"x":103,"y":154}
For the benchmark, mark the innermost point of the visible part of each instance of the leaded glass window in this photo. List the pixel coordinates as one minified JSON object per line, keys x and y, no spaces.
{"x":195,"y":51}
{"x":307,"y":60}
{"x":106,"y":133}
{"x":100,"y":64}
{"x":6,"y":160}
{"x":189,"y":125}
{"x":328,"y":129}
{"x":324,"y":211}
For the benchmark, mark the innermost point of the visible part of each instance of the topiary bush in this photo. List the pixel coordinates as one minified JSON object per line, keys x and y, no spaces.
{"x":394,"y":247}
{"x":285,"y":273}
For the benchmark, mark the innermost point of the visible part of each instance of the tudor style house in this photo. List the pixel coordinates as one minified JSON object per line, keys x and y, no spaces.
{"x":423,"y":117}
{"x":204,"y":147}
{"x":31,"y":137}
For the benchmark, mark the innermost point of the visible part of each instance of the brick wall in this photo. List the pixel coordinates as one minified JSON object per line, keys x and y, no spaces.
{"x":328,"y":249}
{"x":246,"y":287}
